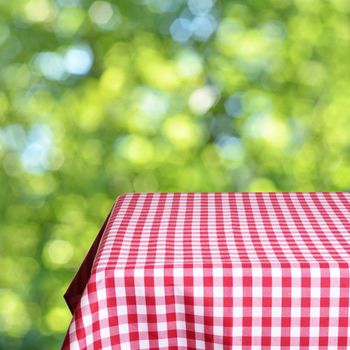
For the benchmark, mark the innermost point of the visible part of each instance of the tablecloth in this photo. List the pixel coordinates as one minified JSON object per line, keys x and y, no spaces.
{"x":216,"y":271}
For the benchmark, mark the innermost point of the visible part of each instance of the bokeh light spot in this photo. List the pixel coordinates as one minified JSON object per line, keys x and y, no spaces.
{"x":230,"y":147}
{"x":153,"y":104}
{"x":13,"y":136}
{"x":51,"y":65}
{"x":136,"y":149}
{"x":14,"y":318}
{"x":38,"y":10}
{"x":101,"y":12}
{"x":112,"y":80}
{"x":269,"y":129}
{"x":78,"y":59}
{"x":198,"y":7}
{"x":57,"y":318}
{"x":181,"y":29}
{"x":182,"y":131}
{"x":233,"y":105}
{"x":69,"y":20}
{"x":312,"y":73}
{"x":202,"y":99}
{"x":203,"y":27}
{"x":189,"y":64}
{"x":35,"y":155}
{"x":58,"y":251}
{"x":160,"y":6}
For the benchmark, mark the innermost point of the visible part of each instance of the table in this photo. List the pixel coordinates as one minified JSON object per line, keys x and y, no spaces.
{"x":216,"y":271}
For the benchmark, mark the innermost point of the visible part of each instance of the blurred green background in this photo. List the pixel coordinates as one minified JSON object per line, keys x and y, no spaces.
{"x":99,"y":98}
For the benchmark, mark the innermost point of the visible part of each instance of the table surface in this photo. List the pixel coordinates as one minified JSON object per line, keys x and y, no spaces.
{"x":216,"y":271}
{"x":205,"y":229}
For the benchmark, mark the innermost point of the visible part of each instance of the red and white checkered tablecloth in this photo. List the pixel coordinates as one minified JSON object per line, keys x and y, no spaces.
{"x":216,"y":271}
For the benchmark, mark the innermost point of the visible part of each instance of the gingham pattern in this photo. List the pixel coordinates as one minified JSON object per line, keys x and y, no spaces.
{"x":219,"y":271}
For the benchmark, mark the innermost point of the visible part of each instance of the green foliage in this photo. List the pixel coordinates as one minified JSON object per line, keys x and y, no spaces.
{"x":101,"y":98}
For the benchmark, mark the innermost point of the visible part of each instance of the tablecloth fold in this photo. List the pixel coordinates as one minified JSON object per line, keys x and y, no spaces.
{"x":78,"y":283}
